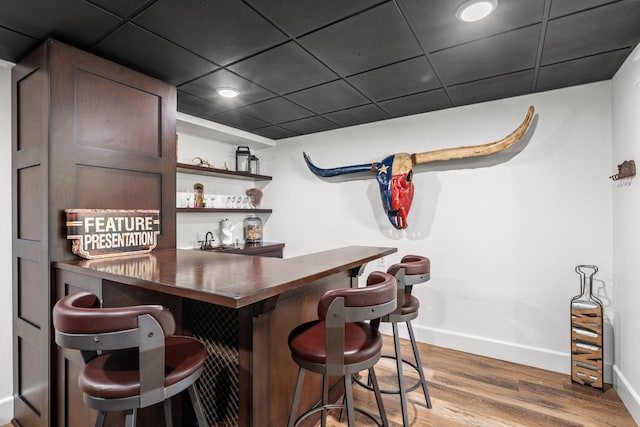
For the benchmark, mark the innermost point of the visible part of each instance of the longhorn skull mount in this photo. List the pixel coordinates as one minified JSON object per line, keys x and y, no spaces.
{"x":395,"y":172}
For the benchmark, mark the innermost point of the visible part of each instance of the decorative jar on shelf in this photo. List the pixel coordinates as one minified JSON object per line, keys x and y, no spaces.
{"x":198,"y":191}
{"x":252,"y":229}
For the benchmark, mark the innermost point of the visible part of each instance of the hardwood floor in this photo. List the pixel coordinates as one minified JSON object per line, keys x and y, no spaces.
{"x":470,"y":390}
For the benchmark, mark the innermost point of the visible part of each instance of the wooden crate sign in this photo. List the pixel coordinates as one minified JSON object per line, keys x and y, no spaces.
{"x":102,"y":233}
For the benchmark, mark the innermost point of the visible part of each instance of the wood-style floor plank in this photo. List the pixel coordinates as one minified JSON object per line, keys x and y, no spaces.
{"x":471,"y":390}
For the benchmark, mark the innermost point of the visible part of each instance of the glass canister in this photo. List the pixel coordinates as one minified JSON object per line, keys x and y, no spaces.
{"x":252,"y":229}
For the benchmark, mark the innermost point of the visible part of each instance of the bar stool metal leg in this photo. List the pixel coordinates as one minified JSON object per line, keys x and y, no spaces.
{"x":130,"y":418}
{"x":378,"y":394}
{"x":197,"y":406}
{"x":348,"y":392}
{"x":399,"y":371}
{"x":416,"y":354}
{"x":325,"y":399}
{"x":102,"y":415}
{"x":296,"y":398}
{"x":168,"y":416}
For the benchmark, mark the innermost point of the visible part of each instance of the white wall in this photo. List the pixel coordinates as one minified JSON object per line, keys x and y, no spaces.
{"x":503,"y":240}
{"x":626,"y":229}
{"x":6,"y":335}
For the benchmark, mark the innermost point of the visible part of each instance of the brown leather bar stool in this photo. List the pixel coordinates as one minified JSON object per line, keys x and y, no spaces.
{"x":412,"y":270}
{"x":132,"y":357}
{"x":341,"y":343}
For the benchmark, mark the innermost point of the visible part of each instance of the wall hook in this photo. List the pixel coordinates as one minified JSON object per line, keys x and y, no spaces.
{"x":626,"y":169}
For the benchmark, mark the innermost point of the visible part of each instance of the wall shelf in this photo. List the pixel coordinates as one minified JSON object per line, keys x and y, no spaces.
{"x":219,"y":173}
{"x":223,"y":210}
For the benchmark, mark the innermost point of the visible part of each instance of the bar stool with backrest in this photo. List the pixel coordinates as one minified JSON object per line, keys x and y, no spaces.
{"x":132,"y":357}
{"x":412,"y":270}
{"x":341,"y":343}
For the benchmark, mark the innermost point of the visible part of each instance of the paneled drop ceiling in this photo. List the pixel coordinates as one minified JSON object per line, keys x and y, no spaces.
{"x":305,"y":66}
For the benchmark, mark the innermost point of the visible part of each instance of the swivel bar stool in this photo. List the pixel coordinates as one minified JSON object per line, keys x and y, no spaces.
{"x":132,"y":357}
{"x":341,"y":343}
{"x":412,"y":270}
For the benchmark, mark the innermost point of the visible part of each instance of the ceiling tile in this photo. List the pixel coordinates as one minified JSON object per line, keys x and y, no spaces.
{"x":297,"y":17}
{"x":581,"y":71}
{"x":276,"y":110}
{"x":309,"y":125}
{"x":14,"y":46}
{"x":198,"y":107}
{"x":416,"y":103}
{"x":505,"y":86}
{"x":299,"y":62}
{"x":267,"y":69}
{"x":437,"y":27}
{"x":70,"y":21}
{"x":274,"y":132}
{"x":402,"y":78}
{"x":206,"y":86}
{"x":121,"y":8}
{"x":333,"y":96}
{"x":371,"y":39}
{"x":238,"y":120}
{"x":357,"y":115}
{"x":141,"y":50}
{"x":496,"y":55}
{"x":565,"y":7}
{"x":222,"y":31}
{"x":598,"y":30}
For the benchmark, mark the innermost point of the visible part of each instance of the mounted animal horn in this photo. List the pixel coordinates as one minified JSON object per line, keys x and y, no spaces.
{"x":394,"y":173}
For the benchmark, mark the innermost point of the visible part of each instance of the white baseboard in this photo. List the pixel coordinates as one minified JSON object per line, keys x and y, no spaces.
{"x":503,"y":350}
{"x":629,"y":396}
{"x":6,"y":410}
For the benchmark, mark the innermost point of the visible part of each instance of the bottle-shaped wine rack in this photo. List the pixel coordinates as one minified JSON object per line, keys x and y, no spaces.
{"x":586,"y":332}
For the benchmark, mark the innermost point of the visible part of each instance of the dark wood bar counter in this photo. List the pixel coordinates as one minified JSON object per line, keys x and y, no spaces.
{"x":243,"y":307}
{"x":223,"y":279}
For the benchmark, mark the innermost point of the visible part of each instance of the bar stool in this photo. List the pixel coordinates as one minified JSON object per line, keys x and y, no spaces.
{"x":412,"y":270}
{"x":132,"y":357}
{"x":341,"y":343}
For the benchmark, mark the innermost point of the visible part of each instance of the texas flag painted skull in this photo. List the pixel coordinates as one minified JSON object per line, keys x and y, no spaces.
{"x":395,"y":173}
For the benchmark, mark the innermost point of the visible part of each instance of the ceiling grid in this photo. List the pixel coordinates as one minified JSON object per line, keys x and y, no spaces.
{"x":305,"y":66}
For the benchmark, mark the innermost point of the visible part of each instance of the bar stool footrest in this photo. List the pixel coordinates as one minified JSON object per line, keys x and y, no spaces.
{"x":357,"y":378}
{"x":340,"y":406}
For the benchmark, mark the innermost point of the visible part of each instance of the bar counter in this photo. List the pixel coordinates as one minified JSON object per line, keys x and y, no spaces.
{"x":243,"y":307}
{"x":223,"y":279}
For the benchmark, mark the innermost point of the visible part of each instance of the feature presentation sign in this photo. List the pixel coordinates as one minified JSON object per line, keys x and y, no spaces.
{"x":102,"y":233}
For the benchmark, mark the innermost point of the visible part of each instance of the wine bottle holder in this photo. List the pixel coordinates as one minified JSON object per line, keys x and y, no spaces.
{"x":586,"y":333}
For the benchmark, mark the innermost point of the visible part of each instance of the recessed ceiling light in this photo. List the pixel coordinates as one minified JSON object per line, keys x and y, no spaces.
{"x":475,"y":10}
{"x":227,"y":92}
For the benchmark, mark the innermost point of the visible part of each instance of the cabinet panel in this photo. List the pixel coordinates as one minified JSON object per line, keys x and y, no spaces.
{"x":30,"y":90}
{"x":106,"y":188}
{"x":103,"y":120}
{"x":32,"y":389}
{"x":30,"y":295}
{"x":29,"y":200}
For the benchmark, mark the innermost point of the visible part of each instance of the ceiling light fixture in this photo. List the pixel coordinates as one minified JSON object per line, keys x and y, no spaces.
{"x":475,"y":10}
{"x":227,"y":92}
